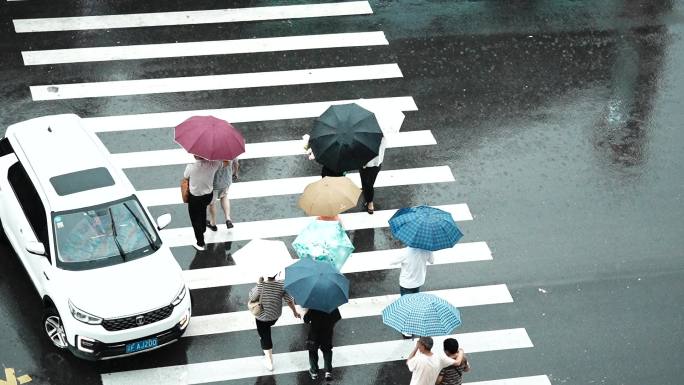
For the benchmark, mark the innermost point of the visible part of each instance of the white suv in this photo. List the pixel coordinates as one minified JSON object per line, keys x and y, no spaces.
{"x":109,"y":286}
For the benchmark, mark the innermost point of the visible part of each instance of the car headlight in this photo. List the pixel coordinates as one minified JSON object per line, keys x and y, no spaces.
{"x":83,"y":316}
{"x":179,"y":296}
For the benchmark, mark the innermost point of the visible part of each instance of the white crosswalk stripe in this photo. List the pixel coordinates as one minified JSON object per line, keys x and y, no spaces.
{"x":214,"y":279}
{"x":257,"y":150}
{"x":215,"y":82}
{"x":240,"y":114}
{"x":355,"y":308}
{"x":347,"y":355}
{"x":357,"y":262}
{"x":192,"y":17}
{"x":286,"y":186}
{"x":292,"y":226}
{"x":203,"y":48}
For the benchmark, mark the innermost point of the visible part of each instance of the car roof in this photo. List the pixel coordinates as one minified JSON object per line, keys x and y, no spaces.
{"x":57,"y":145}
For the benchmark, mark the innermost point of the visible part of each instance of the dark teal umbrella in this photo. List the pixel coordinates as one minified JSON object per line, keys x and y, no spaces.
{"x":316,"y":285}
{"x":345,"y":137}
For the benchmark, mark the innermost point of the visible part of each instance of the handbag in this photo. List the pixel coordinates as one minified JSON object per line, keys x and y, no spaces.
{"x":255,"y":306}
{"x":185,"y":189}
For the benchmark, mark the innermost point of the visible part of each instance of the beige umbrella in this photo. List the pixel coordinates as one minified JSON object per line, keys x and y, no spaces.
{"x":329,"y":196}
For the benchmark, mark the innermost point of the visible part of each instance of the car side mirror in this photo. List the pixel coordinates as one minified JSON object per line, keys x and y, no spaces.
{"x":163,"y":221}
{"x":36,"y":248}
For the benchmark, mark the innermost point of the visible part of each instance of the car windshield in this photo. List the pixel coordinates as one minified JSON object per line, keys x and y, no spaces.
{"x":103,"y":235}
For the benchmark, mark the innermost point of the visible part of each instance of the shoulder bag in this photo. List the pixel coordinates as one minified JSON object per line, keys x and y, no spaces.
{"x":185,"y":189}
{"x":255,"y":306}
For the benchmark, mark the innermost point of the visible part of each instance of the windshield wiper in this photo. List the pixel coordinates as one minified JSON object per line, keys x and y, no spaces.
{"x":116,"y":240}
{"x":147,"y":234}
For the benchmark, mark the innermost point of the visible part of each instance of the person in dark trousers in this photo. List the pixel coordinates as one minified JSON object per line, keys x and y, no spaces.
{"x":200,"y":177}
{"x":328,"y":172}
{"x":271,"y":293}
{"x":368,"y":174}
{"x":320,"y":337}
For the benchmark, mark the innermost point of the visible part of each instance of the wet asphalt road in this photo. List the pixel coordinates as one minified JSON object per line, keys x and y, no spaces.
{"x":561,"y":122}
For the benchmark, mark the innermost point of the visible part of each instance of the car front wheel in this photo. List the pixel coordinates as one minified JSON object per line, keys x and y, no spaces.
{"x":54,"y":329}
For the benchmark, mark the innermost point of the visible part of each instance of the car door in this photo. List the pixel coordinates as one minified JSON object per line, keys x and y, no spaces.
{"x":20,"y":206}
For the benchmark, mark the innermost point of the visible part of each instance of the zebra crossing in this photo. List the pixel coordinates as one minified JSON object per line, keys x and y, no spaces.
{"x":392,"y":111}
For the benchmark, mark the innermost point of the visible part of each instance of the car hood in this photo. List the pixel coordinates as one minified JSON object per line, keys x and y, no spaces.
{"x":125,"y":289}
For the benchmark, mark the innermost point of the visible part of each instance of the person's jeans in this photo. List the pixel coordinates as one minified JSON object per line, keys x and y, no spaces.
{"x":368,"y":176}
{"x":326,"y":349}
{"x":403,"y":290}
{"x":197,"y":210}
{"x":264,"y":330}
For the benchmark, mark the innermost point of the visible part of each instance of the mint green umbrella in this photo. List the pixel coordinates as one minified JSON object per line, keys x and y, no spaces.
{"x":324,"y":241}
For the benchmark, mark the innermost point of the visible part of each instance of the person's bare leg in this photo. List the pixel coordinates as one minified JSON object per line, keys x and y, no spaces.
{"x":225,"y":204}
{"x":212,"y":213}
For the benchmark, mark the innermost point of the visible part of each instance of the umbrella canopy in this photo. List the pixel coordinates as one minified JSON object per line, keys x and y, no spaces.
{"x":422,"y":315}
{"x":329,"y":196}
{"x":425,"y":227}
{"x":263,"y":258}
{"x":210,"y":138}
{"x":316,"y":285}
{"x":324,"y":241}
{"x":345,"y":137}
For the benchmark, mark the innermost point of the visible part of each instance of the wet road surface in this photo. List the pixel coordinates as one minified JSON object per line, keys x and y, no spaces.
{"x":560,"y":122}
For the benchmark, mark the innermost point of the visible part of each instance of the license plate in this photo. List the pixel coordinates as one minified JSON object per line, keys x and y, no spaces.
{"x":141,"y":345}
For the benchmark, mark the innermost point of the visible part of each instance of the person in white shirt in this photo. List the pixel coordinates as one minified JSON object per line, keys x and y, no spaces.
{"x":201,"y":185}
{"x":425,"y":365}
{"x":413,"y":269}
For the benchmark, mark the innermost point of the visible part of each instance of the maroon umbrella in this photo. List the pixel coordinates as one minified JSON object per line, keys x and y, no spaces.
{"x":210,"y":138}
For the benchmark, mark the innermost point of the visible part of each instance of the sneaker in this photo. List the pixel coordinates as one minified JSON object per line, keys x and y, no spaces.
{"x":407,"y":335}
{"x":229,"y":224}
{"x":212,"y":227}
{"x":328,"y":376}
{"x":268,"y":363}
{"x":313,"y":374}
{"x":198,"y":247}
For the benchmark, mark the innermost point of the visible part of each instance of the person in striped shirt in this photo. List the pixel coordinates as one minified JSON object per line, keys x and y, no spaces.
{"x":271,"y":294}
{"x":453,"y":374}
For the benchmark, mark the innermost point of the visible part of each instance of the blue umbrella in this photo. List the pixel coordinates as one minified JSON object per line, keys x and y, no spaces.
{"x":422,"y":315}
{"x":324,"y":241}
{"x":316,"y":285}
{"x":425,"y":227}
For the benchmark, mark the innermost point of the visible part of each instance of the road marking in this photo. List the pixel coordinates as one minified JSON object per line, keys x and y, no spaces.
{"x":531,"y":380}
{"x":215,"y":82}
{"x":357,"y":262}
{"x":292,"y":226}
{"x":240,"y":114}
{"x":12,"y":379}
{"x":356,"y":308}
{"x":257,"y":150}
{"x":203,"y":48}
{"x":348,"y":355}
{"x":231,"y":15}
{"x":286,"y":186}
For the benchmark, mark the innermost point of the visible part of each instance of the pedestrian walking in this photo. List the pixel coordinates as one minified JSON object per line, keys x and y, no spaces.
{"x":413,"y":270}
{"x":321,"y":325}
{"x":222,"y":180}
{"x":200,"y":177}
{"x":425,"y":366}
{"x":271,"y":294}
{"x":453,"y":374}
{"x":369,"y":174}
{"x":413,"y":263}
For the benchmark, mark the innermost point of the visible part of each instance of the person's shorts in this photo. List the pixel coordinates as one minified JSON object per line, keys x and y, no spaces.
{"x":220,"y":193}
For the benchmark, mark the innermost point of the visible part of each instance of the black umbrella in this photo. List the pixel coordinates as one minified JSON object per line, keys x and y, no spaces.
{"x":345,"y":137}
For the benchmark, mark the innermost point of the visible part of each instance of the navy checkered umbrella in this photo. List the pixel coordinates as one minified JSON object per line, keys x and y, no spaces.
{"x":422,"y":315}
{"x":425,"y":227}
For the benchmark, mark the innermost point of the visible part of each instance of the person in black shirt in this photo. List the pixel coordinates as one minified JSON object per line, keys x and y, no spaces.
{"x":321,"y":326}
